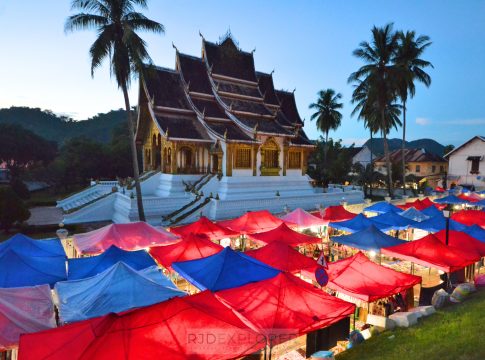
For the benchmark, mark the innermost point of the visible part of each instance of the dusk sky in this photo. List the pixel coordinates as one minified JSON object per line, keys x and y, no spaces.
{"x":309,"y":44}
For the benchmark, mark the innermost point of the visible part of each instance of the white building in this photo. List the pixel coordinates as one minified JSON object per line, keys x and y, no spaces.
{"x":363,"y":156}
{"x":466,"y":163}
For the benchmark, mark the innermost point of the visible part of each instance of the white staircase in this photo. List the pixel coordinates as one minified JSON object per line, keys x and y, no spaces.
{"x":87,"y":195}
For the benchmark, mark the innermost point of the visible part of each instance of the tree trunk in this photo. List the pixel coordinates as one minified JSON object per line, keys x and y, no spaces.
{"x":386,"y":153}
{"x":371,"y":165}
{"x":403,"y":147}
{"x":136,"y":176}
{"x":325,"y":149}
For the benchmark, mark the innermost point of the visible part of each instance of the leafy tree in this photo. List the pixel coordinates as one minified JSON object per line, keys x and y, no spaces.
{"x":119,"y":153}
{"x":408,"y":58}
{"x":326,"y":113}
{"x":116,"y":23}
{"x":337,"y":167}
{"x":21,"y":148}
{"x":448,"y":148}
{"x":12,"y":209}
{"x":379,"y":78}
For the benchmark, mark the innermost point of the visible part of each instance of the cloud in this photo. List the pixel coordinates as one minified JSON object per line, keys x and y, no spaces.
{"x":423,"y":121}
{"x":471,"y":122}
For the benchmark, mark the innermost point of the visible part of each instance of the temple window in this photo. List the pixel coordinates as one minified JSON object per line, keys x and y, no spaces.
{"x":294,"y":160}
{"x":243,"y":158}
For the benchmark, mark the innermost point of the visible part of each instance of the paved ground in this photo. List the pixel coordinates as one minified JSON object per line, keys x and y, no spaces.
{"x":45,"y":215}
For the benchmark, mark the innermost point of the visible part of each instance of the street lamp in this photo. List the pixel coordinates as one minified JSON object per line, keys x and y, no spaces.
{"x":446,"y":214}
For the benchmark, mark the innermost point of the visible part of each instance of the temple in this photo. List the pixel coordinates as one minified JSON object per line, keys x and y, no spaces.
{"x":220,"y":139}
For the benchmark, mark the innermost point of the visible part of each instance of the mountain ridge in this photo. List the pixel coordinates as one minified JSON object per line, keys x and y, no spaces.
{"x":430,"y":145}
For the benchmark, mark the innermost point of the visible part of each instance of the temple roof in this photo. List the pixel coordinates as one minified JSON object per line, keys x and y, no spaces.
{"x":288,"y":106}
{"x":238,"y":89}
{"x":246,"y":106}
{"x":301,"y":139}
{"x":266,"y":86}
{"x":165,"y":87}
{"x":209,"y":107}
{"x":226,"y":59}
{"x":182,"y":127}
{"x":263,"y":125}
{"x":228,"y":130}
{"x":194,"y":73}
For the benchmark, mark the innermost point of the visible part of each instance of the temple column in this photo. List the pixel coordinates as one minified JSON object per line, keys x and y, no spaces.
{"x":304,"y":158}
{"x":229,"y":152}
{"x":254,"y":159}
{"x":285,"y":157}
{"x":174,"y":157}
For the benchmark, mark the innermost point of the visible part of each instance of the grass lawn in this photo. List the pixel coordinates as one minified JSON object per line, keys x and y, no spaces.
{"x":456,"y":332}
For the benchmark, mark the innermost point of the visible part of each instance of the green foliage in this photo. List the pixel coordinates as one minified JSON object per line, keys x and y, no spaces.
{"x":19,"y":188}
{"x":12,"y":209}
{"x":60,"y":128}
{"x":448,"y":148}
{"x":20,"y":148}
{"x":337,"y":167}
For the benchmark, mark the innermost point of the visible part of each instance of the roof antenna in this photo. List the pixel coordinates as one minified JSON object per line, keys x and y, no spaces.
{"x":272,"y":71}
{"x":202,"y":36}
{"x":294,"y":90}
{"x":253,"y":51}
{"x":173,"y":45}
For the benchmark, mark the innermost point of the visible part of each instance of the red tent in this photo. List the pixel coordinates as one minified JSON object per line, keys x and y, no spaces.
{"x":470,"y":197}
{"x":283,"y":257}
{"x":470,"y":217}
{"x":427,"y":202}
{"x":253,"y":222}
{"x":190,"y":248}
{"x":303,"y":219}
{"x":336,"y":213}
{"x":417,"y":204}
{"x":286,"y":302}
{"x":205,"y":227}
{"x":181,"y":328}
{"x":431,"y":252}
{"x":361,"y":278}
{"x":439,"y":189}
{"x":284,"y":234}
{"x":132,"y":236}
{"x":463,"y":241}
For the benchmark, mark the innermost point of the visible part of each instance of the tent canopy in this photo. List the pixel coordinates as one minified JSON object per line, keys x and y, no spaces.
{"x":19,"y":270}
{"x":451,"y":199}
{"x":414,"y":214}
{"x":476,"y":232}
{"x":160,"y":331}
{"x":393,"y":221}
{"x":224,"y":270}
{"x":116,"y":289}
{"x":286,"y":302}
{"x":432,"y":211}
{"x":437,"y":223}
{"x":190,"y":248}
{"x":30,"y":247}
{"x":418,"y":204}
{"x":132,"y":236}
{"x":24,"y":310}
{"x":470,"y":217}
{"x":463,"y":241}
{"x":303,"y":219}
{"x":204,"y":226}
{"x":431,"y":252}
{"x":89,"y":266}
{"x":284,"y":234}
{"x":253,"y":222}
{"x":358,"y":223}
{"x":283,"y":257}
{"x":470,"y":197}
{"x":361,"y":278}
{"x":370,"y":238}
{"x":337,"y":213}
{"x":382,"y":207}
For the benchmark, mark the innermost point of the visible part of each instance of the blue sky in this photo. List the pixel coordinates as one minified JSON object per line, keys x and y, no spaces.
{"x":309,"y":44}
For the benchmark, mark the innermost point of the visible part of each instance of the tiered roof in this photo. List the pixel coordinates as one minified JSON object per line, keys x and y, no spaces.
{"x":221,"y":96}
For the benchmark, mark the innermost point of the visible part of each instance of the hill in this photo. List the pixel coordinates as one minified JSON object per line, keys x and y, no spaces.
{"x":429,"y":145}
{"x":60,"y":128}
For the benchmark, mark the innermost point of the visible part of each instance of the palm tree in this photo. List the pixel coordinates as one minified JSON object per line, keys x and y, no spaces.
{"x":327,"y":115}
{"x":379,"y":75}
{"x":116,"y":23}
{"x":408,"y":58}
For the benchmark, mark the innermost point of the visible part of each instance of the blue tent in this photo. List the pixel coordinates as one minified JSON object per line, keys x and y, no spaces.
{"x":360,"y":222}
{"x":476,"y":232}
{"x":18,"y":270}
{"x":393,"y":220}
{"x":116,"y":289}
{"x":451,"y":199}
{"x":414,"y":214}
{"x":25,"y":245}
{"x":382,"y":208}
{"x":438,"y":223}
{"x":224,"y":270}
{"x":432,"y":211}
{"x":368,"y":239}
{"x":480,"y":203}
{"x":86,"y":267}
